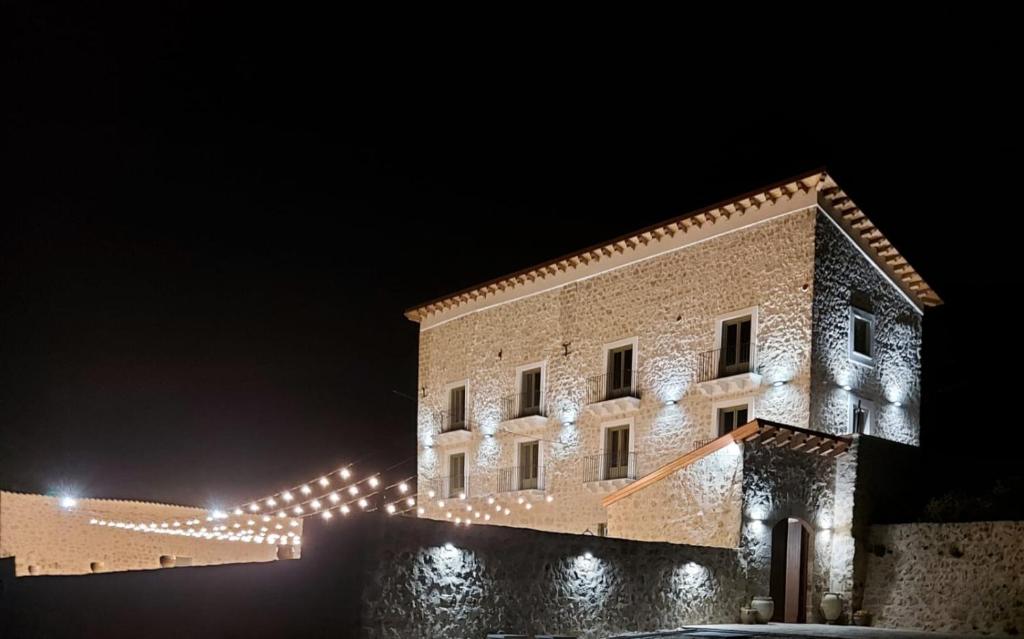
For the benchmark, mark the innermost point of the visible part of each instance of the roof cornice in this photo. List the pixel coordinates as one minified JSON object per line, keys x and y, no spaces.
{"x":830,"y":197}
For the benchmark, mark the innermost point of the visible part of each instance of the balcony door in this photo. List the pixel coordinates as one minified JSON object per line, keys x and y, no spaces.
{"x":616,"y":452}
{"x":456,"y":474}
{"x":529,"y":465}
{"x":530,"y":390}
{"x":457,"y":408}
{"x":620,"y":371}
{"x":735,"y":357}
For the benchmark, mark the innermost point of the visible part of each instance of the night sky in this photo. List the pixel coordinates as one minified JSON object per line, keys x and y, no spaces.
{"x":212,"y":224}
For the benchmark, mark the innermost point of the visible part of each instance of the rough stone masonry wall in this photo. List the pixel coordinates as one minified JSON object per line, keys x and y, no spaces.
{"x":844,"y":277}
{"x":37,"y":531}
{"x":670,"y":304}
{"x":779,"y":483}
{"x":500,"y":578}
{"x":966,"y":577}
{"x":700,"y":505}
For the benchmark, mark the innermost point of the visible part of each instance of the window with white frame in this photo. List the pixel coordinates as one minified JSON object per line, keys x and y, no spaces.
{"x":456,"y":475}
{"x":862,"y":415}
{"x":862,"y":336}
{"x":732,"y":417}
{"x":456,"y":408}
{"x":529,"y":465}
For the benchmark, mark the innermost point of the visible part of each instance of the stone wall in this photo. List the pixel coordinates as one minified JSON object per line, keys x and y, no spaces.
{"x":843,"y":276}
{"x":699,"y":505}
{"x":499,"y":578}
{"x":38,"y":532}
{"x":778,"y":484}
{"x":965,"y":577}
{"x":670,"y":304}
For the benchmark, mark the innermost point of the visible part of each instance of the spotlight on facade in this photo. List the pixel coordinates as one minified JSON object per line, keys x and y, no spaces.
{"x":671,"y":402}
{"x":692,"y":568}
{"x":778,"y":383}
{"x":588,"y":555}
{"x":846,"y":387}
{"x":567,"y":423}
{"x":68,"y":502}
{"x":897,"y":404}
{"x":449,"y":546}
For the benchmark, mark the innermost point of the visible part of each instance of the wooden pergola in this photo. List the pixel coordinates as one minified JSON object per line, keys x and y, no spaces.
{"x":759,"y":432}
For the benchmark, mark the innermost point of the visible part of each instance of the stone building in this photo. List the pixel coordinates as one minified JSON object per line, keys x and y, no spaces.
{"x":743,"y":376}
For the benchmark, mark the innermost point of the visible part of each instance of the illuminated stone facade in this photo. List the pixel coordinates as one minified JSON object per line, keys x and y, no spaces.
{"x":800,"y":278}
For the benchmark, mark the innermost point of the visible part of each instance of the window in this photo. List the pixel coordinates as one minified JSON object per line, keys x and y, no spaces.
{"x":862,"y":335}
{"x":736,"y":338}
{"x":620,"y":371}
{"x":529,"y":465}
{"x":602,"y":530}
{"x":616,"y":452}
{"x":457,"y":408}
{"x":456,"y":474}
{"x":530,"y":392}
{"x":862,"y":415}
{"x":731,"y":418}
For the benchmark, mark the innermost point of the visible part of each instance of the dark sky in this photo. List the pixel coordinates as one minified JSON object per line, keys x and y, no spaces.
{"x":212,"y":223}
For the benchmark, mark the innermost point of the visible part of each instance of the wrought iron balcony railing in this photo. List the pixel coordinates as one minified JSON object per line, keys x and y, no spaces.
{"x":724,"y":362}
{"x":604,"y":387}
{"x":619,"y":465}
{"x":448,"y":487}
{"x":520,"y":478}
{"x":450,"y":422}
{"x":523,"y":404}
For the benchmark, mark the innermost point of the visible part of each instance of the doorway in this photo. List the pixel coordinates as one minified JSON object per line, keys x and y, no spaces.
{"x":790,"y":566}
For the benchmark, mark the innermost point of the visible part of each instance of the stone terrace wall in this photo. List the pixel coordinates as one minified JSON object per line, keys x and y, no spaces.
{"x":502,"y":578}
{"x":966,"y":577}
{"x":37,"y":532}
{"x":376,"y":576}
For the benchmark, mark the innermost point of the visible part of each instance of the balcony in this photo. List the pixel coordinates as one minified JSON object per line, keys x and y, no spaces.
{"x":609,"y":395}
{"x":609,"y":472}
{"x":523,"y":413}
{"x":727,"y":371}
{"x":447,"y":487}
{"x":521,"y":479}
{"x":453,"y":428}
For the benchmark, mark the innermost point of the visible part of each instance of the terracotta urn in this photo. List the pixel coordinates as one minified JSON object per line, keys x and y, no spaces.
{"x":831,"y":606}
{"x":167,"y":561}
{"x":33,"y":569}
{"x":97,"y":566}
{"x":862,"y":618}
{"x":765,"y":608}
{"x":748,"y":615}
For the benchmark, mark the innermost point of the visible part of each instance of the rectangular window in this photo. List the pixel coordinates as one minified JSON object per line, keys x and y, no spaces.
{"x":456,"y":474}
{"x":731,"y":418}
{"x":529,"y":465}
{"x":457,"y":408}
{"x":602,"y":530}
{"x":862,"y":415}
{"x":620,"y":372}
{"x":530,"y":391}
{"x":862,"y":335}
{"x":616,"y":452}
{"x":735,"y":357}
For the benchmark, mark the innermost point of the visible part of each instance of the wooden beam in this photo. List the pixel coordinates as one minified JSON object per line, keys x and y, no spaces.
{"x":682,"y":462}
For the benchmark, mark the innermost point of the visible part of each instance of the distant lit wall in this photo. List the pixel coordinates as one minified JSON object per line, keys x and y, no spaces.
{"x":47,"y":539}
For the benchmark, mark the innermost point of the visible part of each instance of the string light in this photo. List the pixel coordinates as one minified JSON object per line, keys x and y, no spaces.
{"x":315,"y":504}
{"x":271,"y":502}
{"x":327,"y":514}
{"x":345,"y":474}
{"x":403,"y":487}
{"x":334,"y":498}
{"x":287,"y":496}
{"x":305,"y":490}
{"x":374,"y":482}
{"x":324,"y":482}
